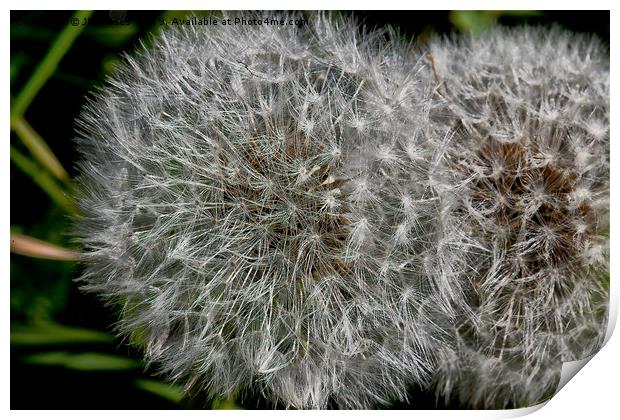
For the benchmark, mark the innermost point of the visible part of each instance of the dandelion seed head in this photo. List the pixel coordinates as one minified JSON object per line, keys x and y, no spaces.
{"x":326,"y":216}
{"x":518,"y":135}
{"x":249,"y":204}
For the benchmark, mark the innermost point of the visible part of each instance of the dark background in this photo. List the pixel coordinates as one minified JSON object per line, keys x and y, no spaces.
{"x":82,"y":365}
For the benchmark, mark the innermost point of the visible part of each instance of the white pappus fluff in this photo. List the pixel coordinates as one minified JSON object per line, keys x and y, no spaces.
{"x":327,"y":216}
{"x":258,"y":204}
{"x":522,"y":120}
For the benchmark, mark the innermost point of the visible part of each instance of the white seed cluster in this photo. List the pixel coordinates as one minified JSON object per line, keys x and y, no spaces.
{"x":328,"y":216}
{"x":527,"y":162}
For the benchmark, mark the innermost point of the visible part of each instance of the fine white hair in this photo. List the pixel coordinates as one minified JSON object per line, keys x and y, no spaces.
{"x":522,"y":120}
{"x":330,"y":216}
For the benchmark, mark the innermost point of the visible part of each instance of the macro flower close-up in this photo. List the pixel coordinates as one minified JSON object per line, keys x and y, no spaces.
{"x":258,"y":202}
{"x":523,"y":120}
{"x":315,"y":210}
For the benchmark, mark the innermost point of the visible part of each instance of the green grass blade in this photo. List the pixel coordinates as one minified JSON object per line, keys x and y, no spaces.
{"x":89,"y":361}
{"x":43,"y":179}
{"x":50,"y":334}
{"x":225,"y":404}
{"x":48,"y":65}
{"x":39,"y":148}
{"x":168,"y":391}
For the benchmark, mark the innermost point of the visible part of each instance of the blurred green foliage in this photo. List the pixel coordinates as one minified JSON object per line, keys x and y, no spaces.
{"x":82,"y":361}
{"x":41,"y":290}
{"x":58,"y":333}
{"x":167,"y":391}
{"x":476,"y":21}
{"x":46,"y":333}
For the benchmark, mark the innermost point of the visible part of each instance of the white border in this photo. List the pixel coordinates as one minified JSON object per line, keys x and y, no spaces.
{"x":591,"y":395}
